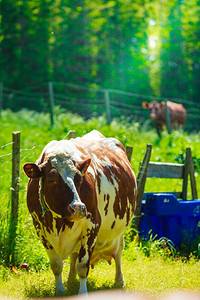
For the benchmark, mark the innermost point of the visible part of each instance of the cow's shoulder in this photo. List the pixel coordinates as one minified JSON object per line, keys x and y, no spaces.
{"x":114,"y":144}
{"x":93,"y":135}
{"x":175,"y":106}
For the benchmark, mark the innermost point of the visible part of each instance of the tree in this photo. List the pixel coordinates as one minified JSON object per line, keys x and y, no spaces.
{"x":173,"y":66}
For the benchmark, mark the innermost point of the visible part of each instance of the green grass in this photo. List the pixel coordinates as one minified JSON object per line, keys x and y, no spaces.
{"x":154,"y":275}
{"x":139,"y":266}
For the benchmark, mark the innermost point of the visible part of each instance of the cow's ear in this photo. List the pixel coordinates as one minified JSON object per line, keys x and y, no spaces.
{"x":145,"y":105}
{"x":32,"y":170}
{"x":83,"y":165}
{"x":162,"y":105}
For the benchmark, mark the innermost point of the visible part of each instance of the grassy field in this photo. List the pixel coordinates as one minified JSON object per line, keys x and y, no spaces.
{"x":154,"y":275}
{"x":171,"y":272}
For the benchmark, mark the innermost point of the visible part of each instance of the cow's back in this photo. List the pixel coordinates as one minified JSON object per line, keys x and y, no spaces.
{"x":177,"y":113}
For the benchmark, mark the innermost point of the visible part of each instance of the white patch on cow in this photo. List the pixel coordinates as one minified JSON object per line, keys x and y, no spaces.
{"x":106,"y":188}
{"x":91,"y":171}
{"x":104,"y":161}
{"x":93,"y":135}
{"x":63,"y":146}
{"x":66,"y":168}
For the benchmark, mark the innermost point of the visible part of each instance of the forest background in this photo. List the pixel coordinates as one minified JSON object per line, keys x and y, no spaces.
{"x":144,"y":47}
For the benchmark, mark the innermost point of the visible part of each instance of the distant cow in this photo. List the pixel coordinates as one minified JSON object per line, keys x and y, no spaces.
{"x":177,"y":114}
{"x":81,"y":195}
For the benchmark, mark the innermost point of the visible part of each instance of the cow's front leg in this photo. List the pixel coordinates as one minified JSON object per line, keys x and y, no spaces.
{"x":57,"y":267}
{"x":83,"y":260}
{"x":82,"y":268}
{"x":72,"y":271}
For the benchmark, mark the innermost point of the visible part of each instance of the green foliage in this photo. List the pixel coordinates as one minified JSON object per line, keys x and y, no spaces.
{"x":133,"y":46}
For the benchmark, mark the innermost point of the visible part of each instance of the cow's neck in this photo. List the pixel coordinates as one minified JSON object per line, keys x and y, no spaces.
{"x":41,"y":198}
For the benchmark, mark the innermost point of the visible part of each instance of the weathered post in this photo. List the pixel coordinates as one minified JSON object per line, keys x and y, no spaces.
{"x":52,"y":102}
{"x":107,"y":102}
{"x":168,"y":121}
{"x":129,"y":151}
{"x":141,"y":179}
{"x":189,"y":170}
{"x":15,"y":193}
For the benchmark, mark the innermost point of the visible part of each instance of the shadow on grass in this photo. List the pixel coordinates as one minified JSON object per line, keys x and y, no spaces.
{"x":41,"y":290}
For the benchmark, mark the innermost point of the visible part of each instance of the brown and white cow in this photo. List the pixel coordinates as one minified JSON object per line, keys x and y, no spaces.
{"x":177,"y":114}
{"x":81,"y":195}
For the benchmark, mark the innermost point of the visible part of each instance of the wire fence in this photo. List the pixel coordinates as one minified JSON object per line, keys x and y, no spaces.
{"x":90,"y":101}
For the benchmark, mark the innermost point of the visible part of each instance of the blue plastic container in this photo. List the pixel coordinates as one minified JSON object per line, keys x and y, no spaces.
{"x":163,"y":215}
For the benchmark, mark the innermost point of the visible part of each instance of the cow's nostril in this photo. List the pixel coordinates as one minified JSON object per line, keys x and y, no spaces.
{"x":78,"y":210}
{"x":73,"y":207}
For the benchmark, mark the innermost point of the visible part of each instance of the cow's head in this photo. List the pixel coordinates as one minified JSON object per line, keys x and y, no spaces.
{"x":154,"y":108}
{"x":61,"y":179}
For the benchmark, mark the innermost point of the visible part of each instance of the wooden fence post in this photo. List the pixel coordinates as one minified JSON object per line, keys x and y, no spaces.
{"x":107,"y":101}
{"x":168,"y":120}
{"x":52,"y":102}
{"x":189,"y":170}
{"x":72,"y":134}
{"x":141,"y":180}
{"x":129,"y":151}
{"x":1,"y":97}
{"x":15,"y":193}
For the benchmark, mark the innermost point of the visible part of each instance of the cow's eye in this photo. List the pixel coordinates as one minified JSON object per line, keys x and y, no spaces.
{"x":53,"y":181}
{"x":53,"y":177}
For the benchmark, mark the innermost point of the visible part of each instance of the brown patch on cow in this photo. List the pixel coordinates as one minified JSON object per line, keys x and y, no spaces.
{"x":113,"y":224}
{"x":48,"y":221}
{"x":61,"y":224}
{"x":128,"y":215}
{"x":37,"y":226}
{"x":34,"y":206}
{"x":98,"y":179}
{"x":89,"y":197}
{"x":33,"y":202}
{"x":82,"y":253}
{"x":46,"y":244}
{"x":107,"y":204}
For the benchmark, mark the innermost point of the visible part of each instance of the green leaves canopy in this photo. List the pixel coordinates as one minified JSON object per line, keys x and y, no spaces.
{"x":146,"y":47}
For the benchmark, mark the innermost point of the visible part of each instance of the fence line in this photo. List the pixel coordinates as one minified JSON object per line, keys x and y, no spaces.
{"x":3,"y":146}
{"x":89,"y":100}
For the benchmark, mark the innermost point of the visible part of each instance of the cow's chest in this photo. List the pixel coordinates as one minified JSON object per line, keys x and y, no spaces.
{"x":63,"y":239}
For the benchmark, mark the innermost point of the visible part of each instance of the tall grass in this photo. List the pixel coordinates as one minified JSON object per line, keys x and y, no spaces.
{"x":36,"y":133}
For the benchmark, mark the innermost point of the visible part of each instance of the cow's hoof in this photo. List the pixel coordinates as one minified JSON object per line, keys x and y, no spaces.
{"x":119,"y":282}
{"x":60,"y":293}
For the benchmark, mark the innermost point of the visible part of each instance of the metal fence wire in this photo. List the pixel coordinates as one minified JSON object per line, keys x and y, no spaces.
{"x":90,"y":101}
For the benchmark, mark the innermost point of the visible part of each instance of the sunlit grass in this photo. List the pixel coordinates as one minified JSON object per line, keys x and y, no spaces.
{"x":153,"y":275}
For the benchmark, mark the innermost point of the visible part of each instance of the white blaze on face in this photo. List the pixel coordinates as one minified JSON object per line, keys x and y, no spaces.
{"x":66,"y":168}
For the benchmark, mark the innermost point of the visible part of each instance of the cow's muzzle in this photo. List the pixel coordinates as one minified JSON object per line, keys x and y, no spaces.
{"x":153,"y":116}
{"x":78,"y":210}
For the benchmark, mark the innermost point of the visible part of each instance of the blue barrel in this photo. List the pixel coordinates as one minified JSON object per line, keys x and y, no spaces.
{"x":163,"y":215}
